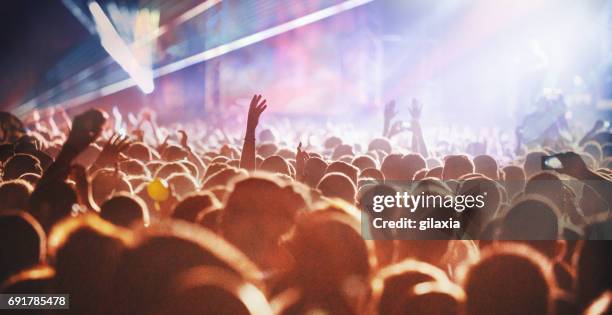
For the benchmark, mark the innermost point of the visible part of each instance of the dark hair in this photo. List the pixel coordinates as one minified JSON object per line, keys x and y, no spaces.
{"x":22,"y":242}
{"x":14,"y":194}
{"x":124,"y":210}
{"x":19,"y":164}
{"x":190,"y":207}
{"x":509,"y":279}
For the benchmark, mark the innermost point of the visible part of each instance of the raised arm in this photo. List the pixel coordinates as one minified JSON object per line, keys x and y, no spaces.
{"x":191,"y":156}
{"x":418,"y":141}
{"x":300,"y":163}
{"x":86,"y":128}
{"x":389,"y":113}
{"x":247,"y":157}
{"x":574,"y":166}
{"x":111,"y":152}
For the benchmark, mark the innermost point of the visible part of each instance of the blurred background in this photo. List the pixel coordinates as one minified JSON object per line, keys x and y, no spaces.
{"x":470,"y":62}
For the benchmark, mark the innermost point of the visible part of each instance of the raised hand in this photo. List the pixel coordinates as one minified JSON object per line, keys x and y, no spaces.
{"x":573,"y":165}
{"x":163,"y":145}
{"x":111,"y":151}
{"x":184,"y":139}
{"x":147,"y":115}
{"x":396,"y":128}
{"x":256,"y":107}
{"x":138,"y":134}
{"x":300,"y":162}
{"x":418,"y":140}
{"x":390,"y":111}
{"x":86,"y":128}
{"x":247,"y":157}
{"x":415,"y":109}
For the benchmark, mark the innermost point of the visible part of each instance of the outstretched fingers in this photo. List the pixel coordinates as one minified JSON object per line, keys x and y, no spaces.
{"x":255,"y":101}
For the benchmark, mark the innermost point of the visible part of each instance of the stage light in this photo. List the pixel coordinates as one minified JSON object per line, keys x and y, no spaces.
{"x":144,"y":80}
{"x":120,"y":51}
{"x":260,"y":36}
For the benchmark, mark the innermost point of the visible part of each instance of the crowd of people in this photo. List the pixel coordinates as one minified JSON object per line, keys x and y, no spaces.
{"x":184,"y":219}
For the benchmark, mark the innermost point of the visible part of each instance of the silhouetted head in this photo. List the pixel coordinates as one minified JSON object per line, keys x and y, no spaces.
{"x":381,"y":144}
{"x":342,"y":167}
{"x":509,"y":279}
{"x":19,"y":164}
{"x":546,"y":184}
{"x":14,"y":194}
{"x":372,"y":173}
{"x":170,"y":169}
{"x":182,"y":184}
{"x":214,"y":168}
{"x":267,"y":149}
{"x":139,"y":151}
{"x":435,"y":172}
{"x":22,"y":242}
{"x":514,"y":180}
{"x":533,"y":162}
{"x":106,"y":182}
{"x":263,"y":206}
{"x":146,"y":271}
{"x":485,"y":165}
{"x":85,"y":251}
{"x":531,"y":218}
{"x":125,"y":210}
{"x":332,"y":142}
{"x":391,"y":284}
{"x":391,"y":167}
{"x":223,"y":177}
{"x":193,"y":204}
{"x":456,"y":166}
{"x":134,"y":167}
{"x":267,"y":135}
{"x":53,"y":203}
{"x":321,"y":266}
{"x":594,"y":275}
{"x":410,"y":164}
{"x":174,"y":153}
{"x":342,"y":150}
{"x":474,"y":218}
{"x":364,"y":161}
{"x":211,"y":290}
{"x":6,"y":151}
{"x":338,"y":185}
{"x":314,"y":169}
{"x":275,"y":164}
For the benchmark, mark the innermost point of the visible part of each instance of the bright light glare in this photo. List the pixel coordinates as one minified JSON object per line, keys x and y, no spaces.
{"x":260,"y":36}
{"x":119,"y":50}
{"x":197,"y":58}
